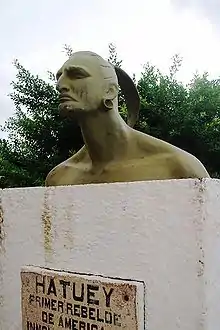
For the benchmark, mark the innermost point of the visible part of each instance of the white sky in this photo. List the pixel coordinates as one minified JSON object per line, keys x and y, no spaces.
{"x":35,"y":32}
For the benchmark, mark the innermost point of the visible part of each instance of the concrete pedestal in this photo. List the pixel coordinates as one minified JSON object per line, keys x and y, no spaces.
{"x":165,"y":233}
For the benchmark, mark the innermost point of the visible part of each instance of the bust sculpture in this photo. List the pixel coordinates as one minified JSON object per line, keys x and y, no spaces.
{"x":113,"y":150}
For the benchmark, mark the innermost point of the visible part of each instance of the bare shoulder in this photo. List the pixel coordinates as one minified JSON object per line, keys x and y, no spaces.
{"x":188,"y":165}
{"x":53,"y":176}
{"x":59,"y":174}
{"x":181,"y":163}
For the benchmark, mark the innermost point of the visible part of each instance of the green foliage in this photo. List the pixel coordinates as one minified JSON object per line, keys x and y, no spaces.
{"x":113,"y":59}
{"x":186,"y":116}
{"x":113,"y":56}
{"x":38,"y":139}
{"x":68,"y":50}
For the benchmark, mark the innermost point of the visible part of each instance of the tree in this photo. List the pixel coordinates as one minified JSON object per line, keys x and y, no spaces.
{"x":39,"y":139}
{"x":186,"y":116}
{"x":113,"y":55}
{"x":113,"y":59}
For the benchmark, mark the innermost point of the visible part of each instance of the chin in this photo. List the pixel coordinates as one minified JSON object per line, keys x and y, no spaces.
{"x":69,"y":110}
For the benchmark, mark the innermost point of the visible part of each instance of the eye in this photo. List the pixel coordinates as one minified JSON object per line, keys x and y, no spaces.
{"x":77,"y":73}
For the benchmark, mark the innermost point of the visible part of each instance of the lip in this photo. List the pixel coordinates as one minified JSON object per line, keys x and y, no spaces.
{"x":64,"y":98}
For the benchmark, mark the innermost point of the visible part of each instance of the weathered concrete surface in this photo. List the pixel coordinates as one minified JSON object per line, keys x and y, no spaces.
{"x":165,"y":233}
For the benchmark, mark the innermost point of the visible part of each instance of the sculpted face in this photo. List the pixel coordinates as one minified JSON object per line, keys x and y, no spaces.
{"x":84,"y":82}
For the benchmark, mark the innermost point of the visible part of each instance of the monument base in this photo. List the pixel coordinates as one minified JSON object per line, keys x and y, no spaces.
{"x":164,"y":234}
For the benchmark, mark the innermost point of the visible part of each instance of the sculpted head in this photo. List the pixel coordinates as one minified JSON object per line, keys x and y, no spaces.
{"x":87,"y":83}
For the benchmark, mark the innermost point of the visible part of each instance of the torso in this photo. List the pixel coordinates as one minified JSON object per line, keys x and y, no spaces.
{"x":165,"y":162}
{"x":153,"y":159}
{"x":151,"y":168}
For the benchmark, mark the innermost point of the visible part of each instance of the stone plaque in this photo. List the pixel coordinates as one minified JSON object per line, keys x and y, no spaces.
{"x":54,"y":299}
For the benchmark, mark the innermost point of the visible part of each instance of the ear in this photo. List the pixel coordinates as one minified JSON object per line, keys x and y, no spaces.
{"x":110,"y":95}
{"x":131,"y":95}
{"x":112,"y":91}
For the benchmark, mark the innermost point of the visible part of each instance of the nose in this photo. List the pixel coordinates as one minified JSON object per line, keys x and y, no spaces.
{"x":61,"y":87}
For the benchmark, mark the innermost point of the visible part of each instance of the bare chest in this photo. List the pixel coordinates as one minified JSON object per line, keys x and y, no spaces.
{"x":137,"y":170}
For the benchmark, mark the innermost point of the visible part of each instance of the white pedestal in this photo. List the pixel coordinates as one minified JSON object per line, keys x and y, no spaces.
{"x":165,"y":233}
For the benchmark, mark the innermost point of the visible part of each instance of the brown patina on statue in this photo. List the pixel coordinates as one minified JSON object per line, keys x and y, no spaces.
{"x":113,"y":150}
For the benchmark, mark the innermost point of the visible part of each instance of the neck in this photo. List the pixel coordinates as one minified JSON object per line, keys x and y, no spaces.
{"x":105,"y":136}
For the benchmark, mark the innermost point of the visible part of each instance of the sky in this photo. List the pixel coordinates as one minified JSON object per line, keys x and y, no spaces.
{"x":35,"y":32}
